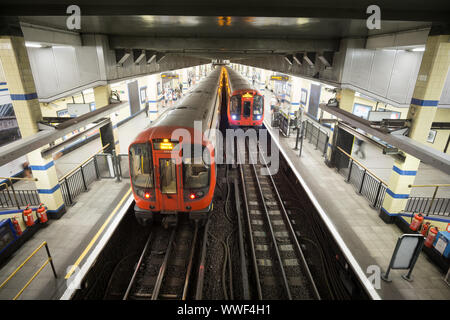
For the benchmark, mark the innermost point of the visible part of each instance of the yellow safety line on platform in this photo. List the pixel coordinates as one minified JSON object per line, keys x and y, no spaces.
{"x":94,"y":239}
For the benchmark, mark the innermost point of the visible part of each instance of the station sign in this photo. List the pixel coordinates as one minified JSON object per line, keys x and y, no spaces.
{"x":169,"y":76}
{"x":280,"y":78}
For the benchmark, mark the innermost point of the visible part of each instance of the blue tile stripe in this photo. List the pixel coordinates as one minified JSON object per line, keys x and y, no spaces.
{"x":424,"y":103}
{"x":443,"y":219}
{"x":13,"y":211}
{"x":34,"y":209}
{"x":154,"y":101}
{"x":57,"y":210}
{"x":18,"y":174}
{"x":2,"y":83}
{"x":27,"y":96}
{"x":404,"y":172}
{"x":43,"y":168}
{"x":6,"y":89}
{"x":397,"y":195}
{"x":49,"y":191}
{"x":295,"y":103}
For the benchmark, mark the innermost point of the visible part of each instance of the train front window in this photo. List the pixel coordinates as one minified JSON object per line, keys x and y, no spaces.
{"x":257,"y":105}
{"x":168,"y":176}
{"x":141,"y":168}
{"x":196,"y":171}
{"x":235,"y":104}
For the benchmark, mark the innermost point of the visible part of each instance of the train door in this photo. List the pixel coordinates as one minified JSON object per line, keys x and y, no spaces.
{"x":247,"y":105}
{"x":168,"y":180}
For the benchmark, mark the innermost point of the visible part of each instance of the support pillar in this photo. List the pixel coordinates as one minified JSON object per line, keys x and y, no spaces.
{"x":153,"y":96}
{"x":109,"y":134}
{"x":184,"y":80}
{"x":346,"y":98}
{"x":262,"y":82}
{"x":429,"y":85}
{"x":17,"y":70}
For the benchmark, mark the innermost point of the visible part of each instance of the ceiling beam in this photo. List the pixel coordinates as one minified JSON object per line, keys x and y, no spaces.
{"x":23,"y":146}
{"x":428,"y":155}
{"x":138,"y":55}
{"x":408,"y":10}
{"x":220,"y":44}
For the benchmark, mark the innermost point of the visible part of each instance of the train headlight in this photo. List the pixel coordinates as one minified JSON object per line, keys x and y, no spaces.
{"x":145,"y":194}
{"x":192,"y":196}
{"x":233,"y":117}
{"x":258,"y":117}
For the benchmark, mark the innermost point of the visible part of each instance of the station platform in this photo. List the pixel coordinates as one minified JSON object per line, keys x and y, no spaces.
{"x":71,"y":160}
{"x":370,"y":240}
{"x":69,"y":236}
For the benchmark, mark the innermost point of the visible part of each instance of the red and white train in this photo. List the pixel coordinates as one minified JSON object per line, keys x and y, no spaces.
{"x":245,"y":104}
{"x":166,"y":179}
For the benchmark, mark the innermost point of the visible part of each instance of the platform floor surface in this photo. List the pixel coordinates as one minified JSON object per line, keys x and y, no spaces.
{"x":68,"y":236}
{"x":370,"y":240}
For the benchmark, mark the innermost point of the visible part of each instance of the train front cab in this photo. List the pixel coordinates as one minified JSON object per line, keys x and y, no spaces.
{"x":168,"y":181}
{"x":246,"y":108}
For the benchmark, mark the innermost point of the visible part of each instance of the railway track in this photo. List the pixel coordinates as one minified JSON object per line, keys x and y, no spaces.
{"x":165,"y":267}
{"x":279,"y":265}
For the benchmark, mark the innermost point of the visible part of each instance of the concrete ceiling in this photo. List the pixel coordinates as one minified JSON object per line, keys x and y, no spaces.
{"x":406,"y":10}
{"x":222,"y":37}
{"x":232,"y":29}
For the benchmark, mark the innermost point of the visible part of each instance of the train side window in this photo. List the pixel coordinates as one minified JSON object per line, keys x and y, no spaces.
{"x":196,"y":173}
{"x":141,"y":168}
{"x":235,"y":105}
{"x":258,"y":104}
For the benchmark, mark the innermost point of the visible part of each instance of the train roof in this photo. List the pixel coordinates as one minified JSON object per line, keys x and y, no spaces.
{"x":238,"y":82}
{"x":198,"y":105}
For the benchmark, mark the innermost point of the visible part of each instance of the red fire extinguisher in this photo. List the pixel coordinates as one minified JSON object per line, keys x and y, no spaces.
{"x":416,"y":222}
{"x":27,"y":216}
{"x":42,"y":213}
{"x":425,"y":228}
{"x":17,"y":226}
{"x":431,"y":236}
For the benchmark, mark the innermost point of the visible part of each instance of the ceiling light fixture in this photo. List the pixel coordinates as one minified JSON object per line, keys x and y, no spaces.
{"x":33,"y":45}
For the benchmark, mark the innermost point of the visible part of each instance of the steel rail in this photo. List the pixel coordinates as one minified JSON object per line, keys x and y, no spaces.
{"x":201,"y":268}
{"x":250,"y":232}
{"x":245,"y":284}
{"x":291,"y":231}
{"x":133,"y":278}
{"x":163,"y":268}
{"x":190,"y":264}
{"x":272,"y":233}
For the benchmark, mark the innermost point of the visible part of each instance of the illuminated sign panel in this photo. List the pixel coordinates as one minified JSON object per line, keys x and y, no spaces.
{"x":279,"y":78}
{"x":169,"y":76}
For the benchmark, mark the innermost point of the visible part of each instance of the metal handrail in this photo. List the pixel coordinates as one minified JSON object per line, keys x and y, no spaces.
{"x":83,"y":163}
{"x":16,"y":178}
{"x":360,"y":164}
{"x":428,"y":185}
{"x":436,"y":186}
{"x":12,"y":187}
{"x":49,"y":259}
